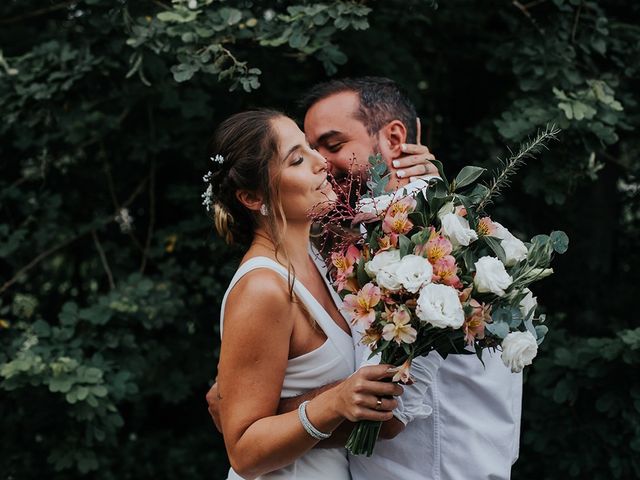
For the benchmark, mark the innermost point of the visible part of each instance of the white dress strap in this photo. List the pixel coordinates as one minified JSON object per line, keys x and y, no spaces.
{"x":317,"y":311}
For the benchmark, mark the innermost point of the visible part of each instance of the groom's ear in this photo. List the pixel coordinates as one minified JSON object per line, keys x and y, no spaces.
{"x":391,"y":138}
{"x":251,"y":200}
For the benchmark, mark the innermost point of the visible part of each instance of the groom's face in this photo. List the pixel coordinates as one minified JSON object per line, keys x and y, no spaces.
{"x":332,"y":127}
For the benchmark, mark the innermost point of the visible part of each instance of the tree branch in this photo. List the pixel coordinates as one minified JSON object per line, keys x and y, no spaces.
{"x":36,"y":13}
{"x":68,"y":241}
{"x":103,"y":259}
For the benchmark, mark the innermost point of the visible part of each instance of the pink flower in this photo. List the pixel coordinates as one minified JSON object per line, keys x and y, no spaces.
{"x":399,"y":328}
{"x":405,"y":205}
{"x":396,"y":220}
{"x":344,"y":264}
{"x":387,"y":241}
{"x":398,"y":223}
{"x":361,"y":305}
{"x":437,"y":247}
{"x":402,"y":373}
{"x":486,"y":227}
{"x":474,"y":324}
{"x":445,"y":271}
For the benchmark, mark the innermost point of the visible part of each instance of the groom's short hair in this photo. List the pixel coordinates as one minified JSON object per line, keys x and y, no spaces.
{"x":381,"y":101}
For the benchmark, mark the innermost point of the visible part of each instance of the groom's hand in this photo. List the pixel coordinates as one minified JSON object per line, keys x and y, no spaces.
{"x":213,"y":402}
{"x":416,"y":159}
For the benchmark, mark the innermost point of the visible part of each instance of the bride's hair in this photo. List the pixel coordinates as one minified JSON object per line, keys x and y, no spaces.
{"x":248,"y":143}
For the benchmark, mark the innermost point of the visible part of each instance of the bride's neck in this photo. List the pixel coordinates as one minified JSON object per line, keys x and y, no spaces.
{"x":295,"y":242}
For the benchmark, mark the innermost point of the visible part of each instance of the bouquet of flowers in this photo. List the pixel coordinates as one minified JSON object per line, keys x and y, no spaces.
{"x":429,"y":269}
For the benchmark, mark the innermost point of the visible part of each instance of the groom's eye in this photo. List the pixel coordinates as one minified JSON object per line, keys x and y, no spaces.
{"x":335,"y":147}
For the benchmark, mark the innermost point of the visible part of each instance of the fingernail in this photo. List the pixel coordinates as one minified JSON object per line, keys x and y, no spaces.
{"x":400,"y":173}
{"x":403,"y":147}
{"x":412,"y":179}
{"x":396,"y":164}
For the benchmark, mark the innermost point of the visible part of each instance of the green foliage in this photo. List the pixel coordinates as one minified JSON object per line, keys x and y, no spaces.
{"x":110,"y":280}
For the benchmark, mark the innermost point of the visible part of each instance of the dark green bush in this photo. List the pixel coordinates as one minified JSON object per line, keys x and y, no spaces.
{"x":111,"y":278}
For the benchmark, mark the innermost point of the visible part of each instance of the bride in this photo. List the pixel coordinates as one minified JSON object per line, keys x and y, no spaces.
{"x":282,"y":332}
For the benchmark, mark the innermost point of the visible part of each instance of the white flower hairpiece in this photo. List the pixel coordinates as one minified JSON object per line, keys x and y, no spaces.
{"x":207,"y":177}
{"x":208,"y":197}
{"x":219,"y":159}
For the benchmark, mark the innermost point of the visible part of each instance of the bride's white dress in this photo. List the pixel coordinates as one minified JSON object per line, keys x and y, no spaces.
{"x":332,"y":361}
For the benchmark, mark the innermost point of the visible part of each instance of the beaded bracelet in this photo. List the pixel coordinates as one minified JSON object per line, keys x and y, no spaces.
{"x":308,"y":426}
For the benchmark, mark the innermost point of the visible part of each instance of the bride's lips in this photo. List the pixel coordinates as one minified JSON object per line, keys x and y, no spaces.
{"x":323,"y":185}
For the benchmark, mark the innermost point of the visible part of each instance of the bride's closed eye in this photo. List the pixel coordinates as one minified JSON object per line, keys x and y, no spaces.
{"x":298,"y":160}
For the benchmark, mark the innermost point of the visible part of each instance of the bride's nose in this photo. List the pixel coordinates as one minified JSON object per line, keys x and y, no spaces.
{"x":320,"y":163}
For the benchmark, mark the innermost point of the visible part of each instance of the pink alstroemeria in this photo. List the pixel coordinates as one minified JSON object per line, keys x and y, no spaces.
{"x":486,"y":227}
{"x":405,"y":205}
{"x":437,"y":247}
{"x":387,"y":241}
{"x":398,"y":223}
{"x":399,"y":328}
{"x":361,"y":305}
{"x":402,"y":373}
{"x":445,"y":271}
{"x":344,"y":264}
{"x":474,"y":324}
{"x":396,"y":220}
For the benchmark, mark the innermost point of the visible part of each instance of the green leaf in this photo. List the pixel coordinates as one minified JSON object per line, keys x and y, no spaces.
{"x":559,"y":241}
{"x":467,"y":176}
{"x":494,"y":244}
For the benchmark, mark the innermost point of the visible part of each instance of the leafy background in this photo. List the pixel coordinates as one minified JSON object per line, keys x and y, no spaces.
{"x":111,"y":277}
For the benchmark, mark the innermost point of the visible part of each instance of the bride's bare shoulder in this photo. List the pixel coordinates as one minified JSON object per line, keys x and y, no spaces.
{"x":261,"y":291}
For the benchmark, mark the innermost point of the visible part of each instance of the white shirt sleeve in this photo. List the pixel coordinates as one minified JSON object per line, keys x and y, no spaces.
{"x":411,"y":404}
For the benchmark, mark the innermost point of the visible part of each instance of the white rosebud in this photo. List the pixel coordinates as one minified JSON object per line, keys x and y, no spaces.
{"x":491,"y":276}
{"x":414,"y":272}
{"x":540,"y":273}
{"x":518,"y":350}
{"x":514,"y":249}
{"x":527,"y":303}
{"x":440,"y":306}
{"x":374,"y":206}
{"x":381,"y":260}
{"x":455,"y":227}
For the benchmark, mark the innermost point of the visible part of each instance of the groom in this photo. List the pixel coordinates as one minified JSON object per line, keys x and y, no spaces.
{"x":462,"y":419}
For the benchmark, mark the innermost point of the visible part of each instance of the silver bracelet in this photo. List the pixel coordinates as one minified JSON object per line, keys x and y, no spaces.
{"x":308,"y":426}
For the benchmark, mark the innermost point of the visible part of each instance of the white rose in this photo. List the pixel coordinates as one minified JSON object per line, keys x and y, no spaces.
{"x":440,"y":306}
{"x":518,"y":350}
{"x":387,"y":277}
{"x":376,"y":206}
{"x":527,"y":303}
{"x":414,"y":272}
{"x":381,"y":260}
{"x":491,"y":276}
{"x":514,"y":249}
{"x":456,"y":229}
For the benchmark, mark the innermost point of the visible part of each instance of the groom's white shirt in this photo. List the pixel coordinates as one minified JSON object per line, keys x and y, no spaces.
{"x":465,"y":425}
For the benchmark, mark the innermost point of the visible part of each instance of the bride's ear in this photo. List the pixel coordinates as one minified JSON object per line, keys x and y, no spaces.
{"x":251,"y":200}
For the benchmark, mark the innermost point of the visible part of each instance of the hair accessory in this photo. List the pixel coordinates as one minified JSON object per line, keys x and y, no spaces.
{"x":208,"y":197}
{"x":219,"y":159}
{"x":264,"y":211}
{"x":207,"y":177}
{"x":308,"y":426}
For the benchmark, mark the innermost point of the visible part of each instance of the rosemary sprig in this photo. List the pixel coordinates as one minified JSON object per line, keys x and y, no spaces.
{"x":501,"y":177}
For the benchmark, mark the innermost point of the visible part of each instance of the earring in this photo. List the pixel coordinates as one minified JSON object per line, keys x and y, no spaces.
{"x":263,"y":210}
